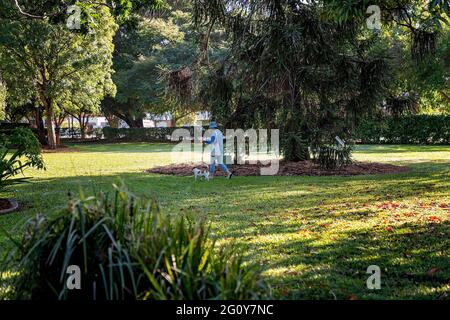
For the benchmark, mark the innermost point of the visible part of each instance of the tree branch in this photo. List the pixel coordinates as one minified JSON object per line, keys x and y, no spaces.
{"x":29,"y":15}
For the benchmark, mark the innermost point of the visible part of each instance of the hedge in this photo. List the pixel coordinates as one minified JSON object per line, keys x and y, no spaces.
{"x":12,"y":126}
{"x":141,"y":134}
{"x":7,"y":128}
{"x":417,"y":129}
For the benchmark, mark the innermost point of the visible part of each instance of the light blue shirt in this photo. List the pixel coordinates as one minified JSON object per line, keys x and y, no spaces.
{"x":217,"y":143}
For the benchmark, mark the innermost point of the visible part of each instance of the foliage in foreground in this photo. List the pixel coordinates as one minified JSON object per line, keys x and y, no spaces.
{"x":26,"y":152}
{"x":126,"y":249}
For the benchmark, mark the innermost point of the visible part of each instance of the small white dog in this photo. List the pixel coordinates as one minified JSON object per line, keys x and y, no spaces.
{"x":199,"y":174}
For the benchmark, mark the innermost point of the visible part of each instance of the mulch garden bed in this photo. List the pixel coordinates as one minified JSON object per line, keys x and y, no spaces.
{"x":4,"y":204}
{"x":303,"y":168}
{"x":8,"y":205}
{"x":60,"y":149}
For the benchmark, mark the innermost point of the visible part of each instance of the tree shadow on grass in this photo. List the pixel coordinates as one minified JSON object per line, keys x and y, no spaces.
{"x":414,"y":262}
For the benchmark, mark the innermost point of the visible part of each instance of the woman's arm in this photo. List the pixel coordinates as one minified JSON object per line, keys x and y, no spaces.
{"x":211,"y":140}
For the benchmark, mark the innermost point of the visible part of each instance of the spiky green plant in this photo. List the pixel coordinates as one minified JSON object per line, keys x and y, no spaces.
{"x":295,"y":148}
{"x":331,"y":157}
{"x":18,"y":151}
{"x":126,"y":249}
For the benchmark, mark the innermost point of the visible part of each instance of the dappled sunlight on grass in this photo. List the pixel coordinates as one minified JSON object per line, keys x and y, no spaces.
{"x":403,"y":154}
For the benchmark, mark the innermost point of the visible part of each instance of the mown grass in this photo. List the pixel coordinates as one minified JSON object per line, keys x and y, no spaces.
{"x":314,"y":237}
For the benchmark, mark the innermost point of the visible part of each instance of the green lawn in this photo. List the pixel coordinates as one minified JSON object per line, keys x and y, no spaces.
{"x":314,"y":237}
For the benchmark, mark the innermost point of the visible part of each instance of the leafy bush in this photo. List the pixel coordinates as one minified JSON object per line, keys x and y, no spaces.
{"x":7,"y":129}
{"x":18,"y":151}
{"x":333,"y":157}
{"x":138,"y":134}
{"x":126,"y":249}
{"x":142,"y":134}
{"x":295,"y":148}
{"x":12,"y":126}
{"x":416,"y":129}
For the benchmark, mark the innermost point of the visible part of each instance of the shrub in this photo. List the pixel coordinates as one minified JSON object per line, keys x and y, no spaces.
{"x":333,"y":157}
{"x":126,"y":249}
{"x":18,"y":151}
{"x":12,"y":126}
{"x":295,"y":148}
{"x":7,"y":129}
{"x":138,"y":134}
{"x":142,"y":134}
{"x":415,"y":129}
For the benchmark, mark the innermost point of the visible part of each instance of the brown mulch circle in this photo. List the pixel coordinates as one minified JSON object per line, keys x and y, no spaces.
{"x":8,"y":206}
{"x":60,"y":149}
{"x":303,"y":168}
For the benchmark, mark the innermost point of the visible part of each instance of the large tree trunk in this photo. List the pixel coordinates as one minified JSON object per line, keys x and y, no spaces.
{"x":112,"y":120}
{"x":83,"y":120}
{"x":58,"y":135}
{"x":131,"y":121}
{"x":83,"y":132}
{"x":138,"y":123}
{"x":40,"y":126}
{"x":51,"y":137}
{"x":58,"y":122}
{"x":134,"y":123}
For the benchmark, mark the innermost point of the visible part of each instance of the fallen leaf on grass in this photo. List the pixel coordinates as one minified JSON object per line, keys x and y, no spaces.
{"x":306,"y":233}
{"x":285,"y":292}
{"x":434,"y":219}
{"x":390,"y":205}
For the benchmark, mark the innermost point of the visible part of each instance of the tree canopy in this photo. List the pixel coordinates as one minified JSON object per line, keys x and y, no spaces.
{"x":146,"y":56}
{"x":56,"y":11}
{"x":310,"y":67}
{"x":57,"y":68}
